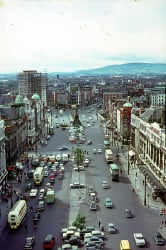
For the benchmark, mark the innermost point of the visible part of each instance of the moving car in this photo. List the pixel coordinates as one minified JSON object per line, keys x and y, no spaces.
{"x":111,"y":228}
{"x":40,"y":205}
{"x":89,"y":142}
{"x":63,"y":148}
{"x":99,"y":150}
{"x":158,"y":238}
{"x":105,"y":184}
{"x":36,"y":216}
{"x":92,"y":206}
{"x":139,"y":239}
{"x":49,"y":241}
{"x":129,"y":213}
{"x":33,"y":192}
{"x":108,"y":203}
{"x":29,"y":242}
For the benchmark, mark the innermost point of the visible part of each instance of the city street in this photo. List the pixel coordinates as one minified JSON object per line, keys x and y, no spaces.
{"x":71,"y":202}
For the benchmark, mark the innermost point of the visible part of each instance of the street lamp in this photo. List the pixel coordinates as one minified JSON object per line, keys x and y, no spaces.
{"x":145,"y":183}
{"x":128,"y":163}
{"x":135,"y":183}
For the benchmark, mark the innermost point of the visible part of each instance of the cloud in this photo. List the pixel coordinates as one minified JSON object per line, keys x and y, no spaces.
{"x":72,"y":34}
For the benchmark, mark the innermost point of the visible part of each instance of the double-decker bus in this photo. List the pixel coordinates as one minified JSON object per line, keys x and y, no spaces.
{"x":109,"y":155}
{"x":38,"y":176}
{"x":114,"y":171}
{"x":17,"y":214}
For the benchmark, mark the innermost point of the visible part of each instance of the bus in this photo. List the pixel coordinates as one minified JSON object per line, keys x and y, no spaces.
{"x":114,"y":171}
{"x":38,"y":176}
{"x":109,"y":156}
{"x":17,"y":214}
{"x":107,"y":144}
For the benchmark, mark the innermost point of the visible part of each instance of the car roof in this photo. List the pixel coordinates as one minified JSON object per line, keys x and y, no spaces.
{"x":49,"y":237}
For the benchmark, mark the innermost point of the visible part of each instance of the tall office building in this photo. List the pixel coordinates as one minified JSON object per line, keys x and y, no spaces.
{"x":31,"y":82}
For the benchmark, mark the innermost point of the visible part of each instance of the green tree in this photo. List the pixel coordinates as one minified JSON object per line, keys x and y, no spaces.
{"x":78,"y":156}
{"x":80,"y":222}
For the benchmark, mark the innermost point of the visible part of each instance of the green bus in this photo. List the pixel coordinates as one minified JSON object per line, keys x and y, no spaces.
{"x":107,"y":144}
{"x":114,"y":171}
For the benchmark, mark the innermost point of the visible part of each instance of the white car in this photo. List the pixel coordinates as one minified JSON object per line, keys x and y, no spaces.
{"x":86,"y":161}
{"x":99,"y":150}
{"x":139,"y":239}
{"x":105,"y":184}
{"x":94,"y":151}
{"x":33,"y":192}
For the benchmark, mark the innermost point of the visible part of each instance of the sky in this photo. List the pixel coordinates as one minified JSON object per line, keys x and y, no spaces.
{"x":71,"y":35}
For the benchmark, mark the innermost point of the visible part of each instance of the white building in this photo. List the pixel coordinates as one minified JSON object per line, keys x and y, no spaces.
{"x":149,"y":142}
{"x":157,"y":99}
{"x":3,"y":171}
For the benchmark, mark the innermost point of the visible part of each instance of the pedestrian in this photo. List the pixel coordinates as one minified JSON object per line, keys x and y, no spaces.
{"x":121,"y":171}
{"x":99,"y":223}
{"x":136,"y":174}
{"x":31,"y":209}
{"x":133,"y":190}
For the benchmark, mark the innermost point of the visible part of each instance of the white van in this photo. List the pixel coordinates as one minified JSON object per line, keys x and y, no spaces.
{"x":58,"y":157}
{"x":65,"y":158}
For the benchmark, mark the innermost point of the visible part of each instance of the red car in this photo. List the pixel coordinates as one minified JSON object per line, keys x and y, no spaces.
{"x":49,"y":241}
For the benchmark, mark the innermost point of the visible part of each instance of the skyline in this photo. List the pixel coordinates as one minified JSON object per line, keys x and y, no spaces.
{"x":71,"y":35}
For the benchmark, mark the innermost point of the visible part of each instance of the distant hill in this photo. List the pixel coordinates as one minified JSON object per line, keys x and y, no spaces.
{"x":127,"y":69}
{"x":111,"y":70}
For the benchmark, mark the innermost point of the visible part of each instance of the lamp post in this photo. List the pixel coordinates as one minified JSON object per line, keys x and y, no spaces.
{"x":145,"y":183}
{"x":128,"y":163}
{"x":135,"y":183}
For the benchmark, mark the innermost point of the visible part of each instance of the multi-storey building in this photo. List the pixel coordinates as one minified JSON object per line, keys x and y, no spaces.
{"x":149,"y":143}
{"x":31,"y":82}
{"x":3,"y":170}
{"x":158,"y":99}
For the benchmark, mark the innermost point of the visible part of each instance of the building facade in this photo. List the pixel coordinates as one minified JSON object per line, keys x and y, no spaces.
{"x":30,"y":82}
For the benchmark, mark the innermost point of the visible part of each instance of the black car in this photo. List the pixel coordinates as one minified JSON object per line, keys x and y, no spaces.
{"x":89,"y":142}
{"x":129,"y":213}
{"x":30,"y":173}
{"x":29,"y":242}
{"x":28,"y":187}
{"x":158,"y":238}
{"x":75,"y":241}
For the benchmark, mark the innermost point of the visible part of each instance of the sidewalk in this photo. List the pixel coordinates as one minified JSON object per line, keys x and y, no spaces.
{"x":137,"y":181}
{"x":6,"y":206}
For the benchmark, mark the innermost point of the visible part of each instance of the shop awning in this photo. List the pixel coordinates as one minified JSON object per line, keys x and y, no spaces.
{"x":151,"y":179}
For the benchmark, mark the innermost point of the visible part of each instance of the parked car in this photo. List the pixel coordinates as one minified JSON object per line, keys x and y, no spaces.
{"x":159,"y":239}
{"x":77,"y":185}
{"x":29,"y":242}
{"x":139,"y":239}
{"x":49,"y":241}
